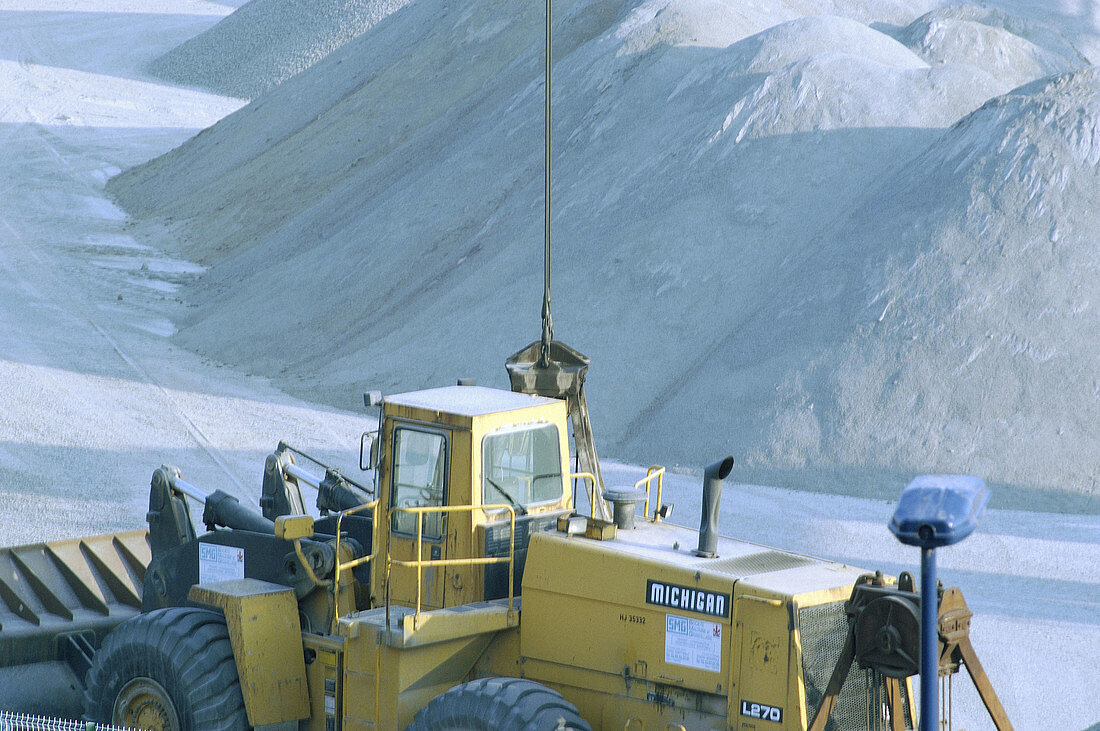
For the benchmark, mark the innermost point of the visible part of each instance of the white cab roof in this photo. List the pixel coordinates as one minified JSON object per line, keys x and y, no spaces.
{"x":467,"y":400}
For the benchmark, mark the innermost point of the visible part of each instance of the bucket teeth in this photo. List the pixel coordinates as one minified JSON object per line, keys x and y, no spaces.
{"x":76,"y":587}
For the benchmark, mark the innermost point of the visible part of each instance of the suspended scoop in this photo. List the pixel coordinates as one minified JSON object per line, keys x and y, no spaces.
{"x":560,"y":374}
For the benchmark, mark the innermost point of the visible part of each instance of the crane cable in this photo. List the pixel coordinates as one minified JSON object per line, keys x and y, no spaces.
{"x":547,"y":319}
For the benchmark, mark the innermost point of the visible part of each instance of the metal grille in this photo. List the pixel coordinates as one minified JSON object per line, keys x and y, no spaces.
{"x":10,"y":721}
{"x":859,"y":707}
{"x":496,"y":546}
{"x":764,"y":562}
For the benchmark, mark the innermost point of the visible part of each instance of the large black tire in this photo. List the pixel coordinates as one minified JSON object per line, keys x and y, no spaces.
{"x":168,"y":669}
{"x":489,"y":704}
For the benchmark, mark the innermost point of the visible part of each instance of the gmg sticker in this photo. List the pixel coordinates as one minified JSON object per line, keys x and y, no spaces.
{"x":693,"y":642}
{"x":220,"y":563}
{"x":762,"y":711}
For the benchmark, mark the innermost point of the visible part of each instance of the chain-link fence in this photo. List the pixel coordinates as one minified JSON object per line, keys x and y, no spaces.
{"x":10,"y":721}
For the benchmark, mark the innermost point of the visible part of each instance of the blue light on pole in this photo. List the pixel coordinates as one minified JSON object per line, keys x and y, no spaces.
{"x":935,"y":511}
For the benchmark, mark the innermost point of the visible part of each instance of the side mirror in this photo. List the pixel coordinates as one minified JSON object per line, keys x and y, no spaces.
{"x":368,"y":451}
{"x":368,"y":444}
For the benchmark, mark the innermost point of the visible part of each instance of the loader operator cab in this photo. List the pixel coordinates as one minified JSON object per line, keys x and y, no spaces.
{"x":455,"y":465}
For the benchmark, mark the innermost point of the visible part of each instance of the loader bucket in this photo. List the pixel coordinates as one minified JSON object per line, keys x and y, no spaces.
{"x":562,"y":377}
{"x":59,"y":599}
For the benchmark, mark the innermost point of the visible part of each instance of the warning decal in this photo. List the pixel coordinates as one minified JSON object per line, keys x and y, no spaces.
{"x":220,"y":563}
{"x":695,"y":643}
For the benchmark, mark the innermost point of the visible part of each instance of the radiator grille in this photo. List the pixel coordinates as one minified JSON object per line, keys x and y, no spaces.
{"x":754,"y":564}
{"x":824,"y":629}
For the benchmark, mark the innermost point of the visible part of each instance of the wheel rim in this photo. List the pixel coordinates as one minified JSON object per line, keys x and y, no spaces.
{"x":144,"y":703}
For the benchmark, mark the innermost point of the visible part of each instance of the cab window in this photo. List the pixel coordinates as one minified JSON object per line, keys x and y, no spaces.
{"x":419,"y":479}
{"x":521,"y":466}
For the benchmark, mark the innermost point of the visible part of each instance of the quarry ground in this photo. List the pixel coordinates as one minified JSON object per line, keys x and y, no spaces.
{"x":95,"y":393}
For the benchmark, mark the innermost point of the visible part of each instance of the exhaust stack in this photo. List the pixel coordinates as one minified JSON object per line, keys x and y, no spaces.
{"x":712,"y":494}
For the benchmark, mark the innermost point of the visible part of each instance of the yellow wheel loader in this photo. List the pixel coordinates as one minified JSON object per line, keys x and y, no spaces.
{"x":463,"y":589}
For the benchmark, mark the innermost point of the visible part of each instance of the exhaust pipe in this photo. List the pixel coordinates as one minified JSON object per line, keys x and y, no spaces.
{"x":712,"y":494}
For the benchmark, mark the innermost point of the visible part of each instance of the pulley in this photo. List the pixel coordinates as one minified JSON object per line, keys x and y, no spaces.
{"x":887,"y":636}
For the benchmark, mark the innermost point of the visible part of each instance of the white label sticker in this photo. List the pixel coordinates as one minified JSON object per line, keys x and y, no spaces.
{"x":220,"y":563}
{"x":693,"y":642}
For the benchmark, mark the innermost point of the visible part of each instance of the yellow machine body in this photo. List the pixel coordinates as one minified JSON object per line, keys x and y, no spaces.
{"x":631,"y":626}
{"x":639,"y":632}
{"x":636,"y":631}
{"x":262,"y":619}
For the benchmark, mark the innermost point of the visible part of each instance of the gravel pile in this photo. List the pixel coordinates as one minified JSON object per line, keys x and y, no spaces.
{"x":809,"y":244}
{"x":266,"y":42}
{"x":947,"y":317}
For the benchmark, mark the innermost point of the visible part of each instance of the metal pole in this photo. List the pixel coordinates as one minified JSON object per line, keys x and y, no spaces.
{"x":929,"y":655}
{"x":299,"y":474}
{"x":546,"y":181}
{"x":547,"y":319}
{"x":189,"y":490}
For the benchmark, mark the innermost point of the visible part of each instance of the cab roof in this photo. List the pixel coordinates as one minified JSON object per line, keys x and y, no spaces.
{"x":469,"y":401}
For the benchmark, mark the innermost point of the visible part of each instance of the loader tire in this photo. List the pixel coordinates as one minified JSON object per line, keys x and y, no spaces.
{"x":498,"y":703}
{"x":171,"y":669}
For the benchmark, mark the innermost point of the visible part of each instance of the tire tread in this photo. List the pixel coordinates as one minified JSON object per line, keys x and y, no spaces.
{"x":187,"y":651}
{"x":492,"y":703}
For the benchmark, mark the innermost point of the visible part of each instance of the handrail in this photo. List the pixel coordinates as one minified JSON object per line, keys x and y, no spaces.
{"x":420,"y":563}
{"x":658,"y":472}
{"x":591,"y":490}
{"x":654,"y":472}
{"x":372,"y":505}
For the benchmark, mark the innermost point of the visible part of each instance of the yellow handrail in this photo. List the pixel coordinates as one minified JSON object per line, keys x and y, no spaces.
{"x":658,"y":472}
{"x":420,"y":563}
{"x":591,"y":490}
{"x":372,"y":505}
{"x":654,"y":472}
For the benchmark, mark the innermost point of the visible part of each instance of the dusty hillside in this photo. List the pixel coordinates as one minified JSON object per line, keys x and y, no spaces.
{"x":265,"y":42}
{"x":761,"y":219}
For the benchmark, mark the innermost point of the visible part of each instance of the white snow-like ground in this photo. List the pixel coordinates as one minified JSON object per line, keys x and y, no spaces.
{"x":97,"y":388}
{"x":94,"y":393}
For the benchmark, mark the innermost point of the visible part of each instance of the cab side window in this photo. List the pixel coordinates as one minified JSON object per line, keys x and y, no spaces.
{"x":419,"y":479}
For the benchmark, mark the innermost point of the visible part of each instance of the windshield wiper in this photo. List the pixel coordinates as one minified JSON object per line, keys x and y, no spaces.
{"x":519,"y":508}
